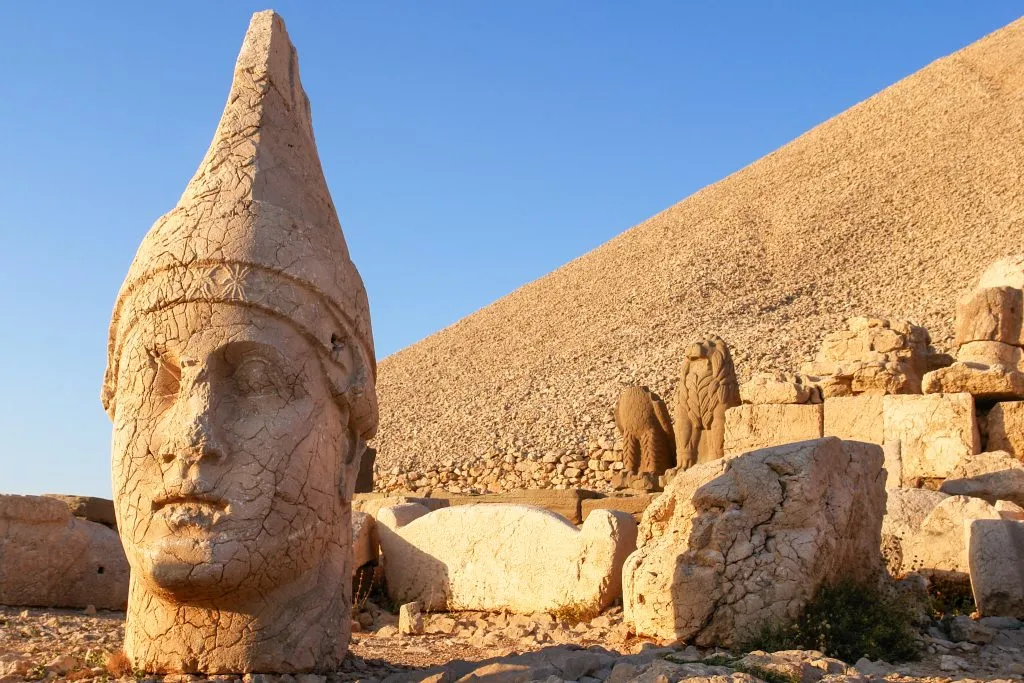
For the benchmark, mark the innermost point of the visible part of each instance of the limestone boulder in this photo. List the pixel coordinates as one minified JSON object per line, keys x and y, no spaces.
{"x":905,"y":512}
{"x":364,"y":540}
{"x":49,"y":558}
{"x":854,"y":418}
{"x":996,"y":382}
{"x":990,"y":314}
{"x":99,"y":510}
{"x":733,"y":544}
{"x":1004,"y":272}
{"x":934,"y":432}
{"x":778,"y":388}
{"x":494,"y":557}
{"x":991,"y":476}
{"x":995,"y":550}
{"x":1008,"y":510}
{"x":939,"y":548}
{"x":631,"y":504}
{"x":372,"y":503}
{"x":565,"y":502}
{"x":1006,"y":428}
{"x":749,"y":427}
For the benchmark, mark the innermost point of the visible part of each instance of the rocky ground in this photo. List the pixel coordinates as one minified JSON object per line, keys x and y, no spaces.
{"x":47,"y":644}
{"x":892,"y":208}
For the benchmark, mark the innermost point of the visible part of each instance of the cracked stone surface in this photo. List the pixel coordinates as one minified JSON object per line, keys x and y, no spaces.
{"x":734,"y":543}
{"x":240,"y":383}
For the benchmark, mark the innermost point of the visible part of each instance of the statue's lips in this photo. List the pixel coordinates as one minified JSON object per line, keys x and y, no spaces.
{"x":196,"y":510}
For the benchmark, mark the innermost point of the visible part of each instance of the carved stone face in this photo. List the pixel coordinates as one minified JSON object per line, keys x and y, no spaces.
{"x":228,"y":452}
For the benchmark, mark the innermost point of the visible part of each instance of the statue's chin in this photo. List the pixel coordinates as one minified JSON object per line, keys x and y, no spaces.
{"x":194,"y":568}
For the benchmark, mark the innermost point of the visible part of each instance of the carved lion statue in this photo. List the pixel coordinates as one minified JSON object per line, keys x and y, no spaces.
{"x":646,"y":428}
{"x":707,"y":387}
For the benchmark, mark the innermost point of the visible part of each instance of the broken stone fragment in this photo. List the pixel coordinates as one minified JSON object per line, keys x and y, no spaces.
{"x":736,"y":543}
{"x":749,"y":427}
{"x":934,"y":432}
{"x":939,"y":548}
{"x":854,"y":418}
{"x":1005,"y":426}
{"x":486,"y":557}
{"x":995,"y":550}
{"x":777,"y":387}
{"x":410,"y":619}
{"x":990,"y":476}
{"x":990,"y":314}
{"x":50,"y":559}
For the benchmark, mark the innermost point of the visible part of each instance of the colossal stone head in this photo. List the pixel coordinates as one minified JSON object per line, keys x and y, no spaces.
{"x":240,"y":381}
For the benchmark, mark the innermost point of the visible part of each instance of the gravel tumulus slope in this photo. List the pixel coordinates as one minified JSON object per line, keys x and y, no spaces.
{"x":889,"y":209}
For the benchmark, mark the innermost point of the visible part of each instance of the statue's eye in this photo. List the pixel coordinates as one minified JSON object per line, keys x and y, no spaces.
{"x":257,"y":377}
{"x":167,"y":378}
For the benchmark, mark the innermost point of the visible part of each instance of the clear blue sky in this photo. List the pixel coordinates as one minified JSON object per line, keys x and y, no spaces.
{"x":470,"y":148}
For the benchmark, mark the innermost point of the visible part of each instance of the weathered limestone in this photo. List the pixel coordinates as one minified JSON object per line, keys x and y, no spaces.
{"x":707,"y":388}
{"x":778,"y":387}
{"x":854,"y":418}
{"x":643,"y":421}
{"x":567,"y":503}
{"x":1006,"y":428}
{"x":372,"y":503}
{"x":1008,"y":510}
{"x":494,"y":557}
{"x":749,"y":427}
{"x":1005,"y":272}
{"x":735,"y":543}
{"x":995,"y":550}
{"x":989,"y":337}
{"x":410,"y":619}
{"x":939,"y":547}
{"x":364,"y":540}
{"x":240,"y":381}
{"x":871,"y":356}
{"x":982,"y":380}
{"x":934,"y":432}
{"x":632,"y":505}
{"x":50,"y":559}
{"x":990,"y":314}
{"x":905,"y":512}
{"x":989,"y":476}
{"x":99,"y":510}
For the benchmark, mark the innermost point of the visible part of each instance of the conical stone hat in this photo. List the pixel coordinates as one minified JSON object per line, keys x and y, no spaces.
{"x":256,"y":226}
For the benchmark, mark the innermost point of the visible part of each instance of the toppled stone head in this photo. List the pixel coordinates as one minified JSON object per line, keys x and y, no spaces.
{"x":240,"y":382}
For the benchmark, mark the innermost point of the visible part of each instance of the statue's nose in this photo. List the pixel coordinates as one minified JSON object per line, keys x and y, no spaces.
{"x":194,"y":437}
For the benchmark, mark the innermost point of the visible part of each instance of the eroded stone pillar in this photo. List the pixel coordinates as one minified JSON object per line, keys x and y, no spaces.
{"x":240,"y":382}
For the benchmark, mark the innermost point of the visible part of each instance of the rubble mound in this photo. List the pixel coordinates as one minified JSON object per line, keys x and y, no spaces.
{"x":890,"y":208}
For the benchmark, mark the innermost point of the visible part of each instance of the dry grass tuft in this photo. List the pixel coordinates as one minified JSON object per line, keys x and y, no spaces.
{"x":118,"y":665}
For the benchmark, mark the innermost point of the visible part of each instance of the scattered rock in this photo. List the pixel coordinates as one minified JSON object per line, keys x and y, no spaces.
{"x":410,"y":619}
{"x":990,"y":476}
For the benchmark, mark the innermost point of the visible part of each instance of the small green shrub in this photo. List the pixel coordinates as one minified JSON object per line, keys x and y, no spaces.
{"x":949,"y":597}
{"x":846,"y":621}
